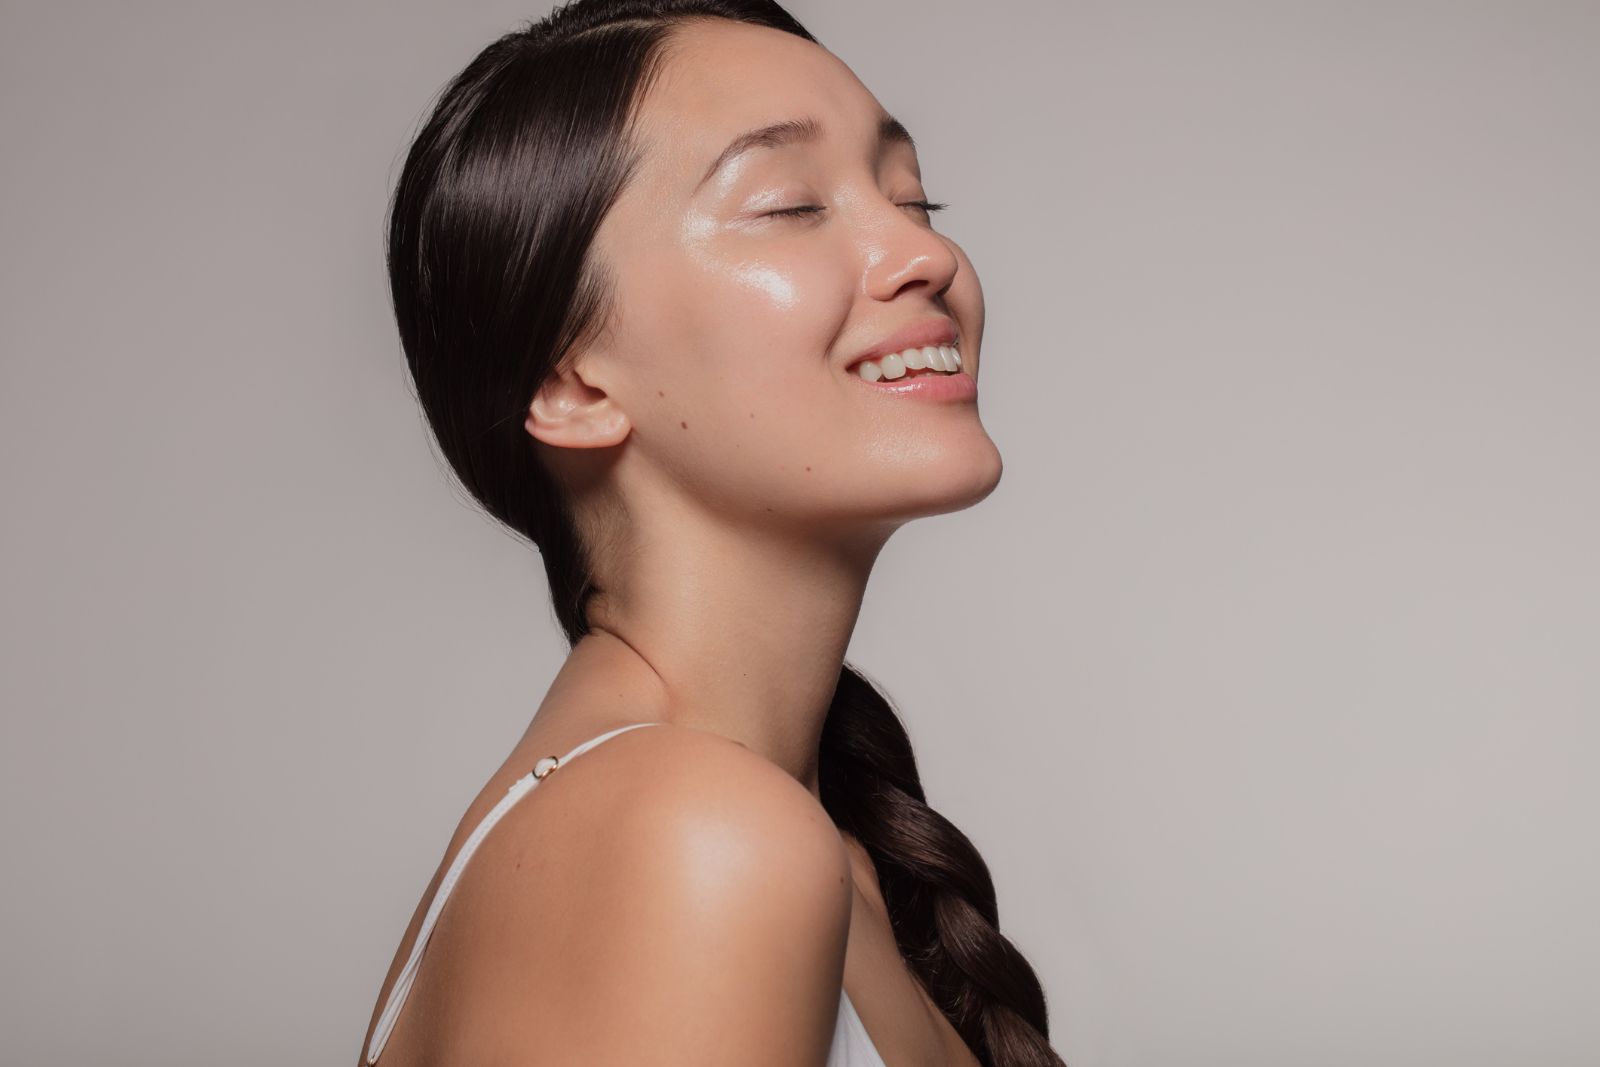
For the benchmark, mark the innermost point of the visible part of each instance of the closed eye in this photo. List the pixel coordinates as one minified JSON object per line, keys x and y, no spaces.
{"x":803,"y":210}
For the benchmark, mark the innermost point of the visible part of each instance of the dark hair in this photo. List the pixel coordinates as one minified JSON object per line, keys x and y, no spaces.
{"x":489,"y":240}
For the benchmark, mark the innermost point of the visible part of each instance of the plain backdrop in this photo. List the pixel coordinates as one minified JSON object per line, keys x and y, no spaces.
{"x":1265,"y":681}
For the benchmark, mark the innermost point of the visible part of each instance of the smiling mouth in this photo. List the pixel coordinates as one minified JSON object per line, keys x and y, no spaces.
{"x":912,"y":362}
{"x":924,"y":383}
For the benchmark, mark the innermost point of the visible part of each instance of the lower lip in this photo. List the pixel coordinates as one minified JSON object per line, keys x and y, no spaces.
{"x":957,"y":386}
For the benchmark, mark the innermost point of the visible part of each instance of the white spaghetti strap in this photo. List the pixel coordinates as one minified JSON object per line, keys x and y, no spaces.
{"x":520,"y":788}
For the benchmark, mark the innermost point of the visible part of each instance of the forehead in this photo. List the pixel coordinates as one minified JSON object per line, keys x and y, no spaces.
{"x":719,"y":78}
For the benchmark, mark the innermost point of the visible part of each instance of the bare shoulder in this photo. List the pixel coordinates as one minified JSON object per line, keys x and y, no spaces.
{"x":667,"y":897}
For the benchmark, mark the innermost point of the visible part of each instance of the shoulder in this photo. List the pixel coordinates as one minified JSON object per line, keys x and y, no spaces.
{"x":710,"y":821}
{"x":666,"y":790}
{"x":668,"y":889}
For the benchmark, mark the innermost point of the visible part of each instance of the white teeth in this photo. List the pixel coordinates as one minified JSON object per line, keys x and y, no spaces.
{"x":945,"y":358}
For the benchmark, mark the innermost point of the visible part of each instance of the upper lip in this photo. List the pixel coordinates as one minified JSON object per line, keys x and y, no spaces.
{"x":916,"y":335}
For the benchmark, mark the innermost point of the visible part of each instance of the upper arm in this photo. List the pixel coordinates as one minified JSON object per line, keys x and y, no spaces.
{"x":700,"y":918}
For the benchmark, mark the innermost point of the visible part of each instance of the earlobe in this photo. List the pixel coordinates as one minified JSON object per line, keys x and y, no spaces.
{"x":568,"y":413}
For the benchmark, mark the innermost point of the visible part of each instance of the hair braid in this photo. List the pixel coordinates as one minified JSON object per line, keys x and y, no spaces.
{"x":935,"y":884}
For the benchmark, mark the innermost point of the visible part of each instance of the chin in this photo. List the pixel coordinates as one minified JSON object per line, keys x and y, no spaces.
{"x":984,"y":477}
{"x":952,"y":485}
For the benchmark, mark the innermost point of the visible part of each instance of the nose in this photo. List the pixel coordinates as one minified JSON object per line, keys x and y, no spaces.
{"x":905,"y":252}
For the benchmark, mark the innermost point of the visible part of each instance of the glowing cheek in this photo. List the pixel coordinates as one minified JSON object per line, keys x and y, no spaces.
{"x":778,"y":288}
{"x":697,"y":230}
{"x":699,"y":234}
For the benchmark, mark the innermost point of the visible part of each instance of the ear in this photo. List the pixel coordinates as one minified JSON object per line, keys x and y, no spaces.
{"x":570,"y":412}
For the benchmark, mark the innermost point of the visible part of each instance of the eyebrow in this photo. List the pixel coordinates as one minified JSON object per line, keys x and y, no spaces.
{"x":799,"y":131}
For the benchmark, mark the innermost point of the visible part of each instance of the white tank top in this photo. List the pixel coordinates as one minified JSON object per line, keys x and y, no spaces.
{"x":852,"y":1046}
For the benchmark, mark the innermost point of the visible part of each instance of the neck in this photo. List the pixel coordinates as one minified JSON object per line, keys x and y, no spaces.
{"x":738,"y":633}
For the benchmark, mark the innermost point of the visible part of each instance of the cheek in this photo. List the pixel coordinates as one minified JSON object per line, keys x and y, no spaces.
{"x":761,"y":330}
{"x":769,"y":393}
{"x":760,"y":281}
{"x":736,"y":356}
{"x":767,"y":433}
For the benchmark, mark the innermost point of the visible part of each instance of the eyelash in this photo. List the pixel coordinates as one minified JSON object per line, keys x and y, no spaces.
{"x":811,"y":209}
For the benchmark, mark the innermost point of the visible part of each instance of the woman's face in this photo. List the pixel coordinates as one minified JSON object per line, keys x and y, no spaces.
{"x":727,"y":362}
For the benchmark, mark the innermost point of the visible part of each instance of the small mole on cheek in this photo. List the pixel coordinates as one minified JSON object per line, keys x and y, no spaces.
{"x":808,"y":468}
{"x":661,"y":392}
{"x":685,"y":425}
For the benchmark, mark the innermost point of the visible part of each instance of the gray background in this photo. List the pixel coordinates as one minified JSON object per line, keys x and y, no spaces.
{"x":1278,"y":717}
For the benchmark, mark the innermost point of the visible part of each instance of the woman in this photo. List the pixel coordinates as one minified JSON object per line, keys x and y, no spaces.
{"x":668,"y":286}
